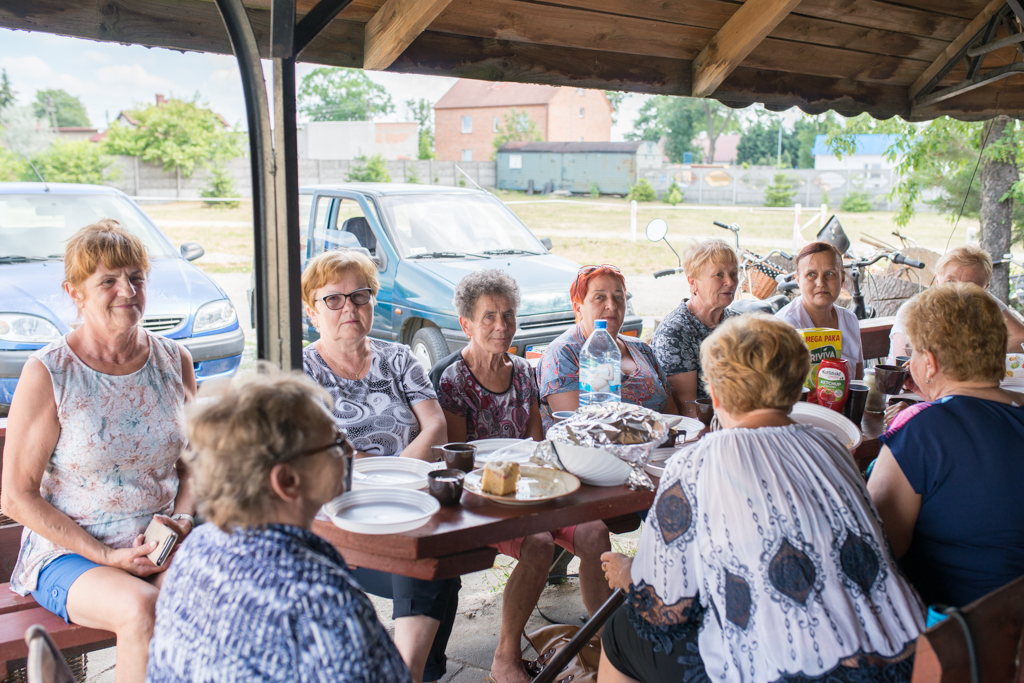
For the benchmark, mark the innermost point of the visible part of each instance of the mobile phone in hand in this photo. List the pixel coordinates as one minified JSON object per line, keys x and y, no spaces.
{"x":166,"y":539}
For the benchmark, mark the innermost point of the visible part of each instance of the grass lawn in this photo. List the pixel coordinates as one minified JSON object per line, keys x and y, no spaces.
{"x":582,"y":229}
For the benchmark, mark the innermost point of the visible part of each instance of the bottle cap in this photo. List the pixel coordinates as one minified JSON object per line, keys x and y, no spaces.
{"x":600,"y":324}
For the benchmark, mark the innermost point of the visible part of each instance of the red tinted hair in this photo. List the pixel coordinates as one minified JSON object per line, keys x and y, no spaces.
{"x":578,"y":289}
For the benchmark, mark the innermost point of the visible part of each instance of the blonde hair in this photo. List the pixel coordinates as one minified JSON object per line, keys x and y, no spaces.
{"x":697,"y":256}
{"x":967,"y":256}
{"x":105,"y":242}
{"x":961,"y":325}
{"x":754,"y":362}
{"x":237,"y":436}
{"x":329,"y":266}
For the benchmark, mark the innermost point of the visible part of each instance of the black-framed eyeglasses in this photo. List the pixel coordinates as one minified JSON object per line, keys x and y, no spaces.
{"x":359,"y":297}
{"x":341,"y":445}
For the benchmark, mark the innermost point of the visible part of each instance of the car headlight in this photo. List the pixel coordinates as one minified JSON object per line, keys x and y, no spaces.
{"x":27,"y":329}
{"x":213,"y":316}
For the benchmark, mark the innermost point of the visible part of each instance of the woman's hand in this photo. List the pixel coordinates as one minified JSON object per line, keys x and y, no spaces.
{"x":893,"y":410}
{"x":133,"y":560}
{"x":616,"y":567}
{"x":181,"y":528}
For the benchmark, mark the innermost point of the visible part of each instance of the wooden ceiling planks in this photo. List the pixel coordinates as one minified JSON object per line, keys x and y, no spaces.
{"x":847,"y":55}
{"x":394,"y":26}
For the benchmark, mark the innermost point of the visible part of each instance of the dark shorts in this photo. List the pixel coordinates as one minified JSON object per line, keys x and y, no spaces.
{"x":634,"y":655}
{"x":415,"y":597}
{"x":55,"y":580}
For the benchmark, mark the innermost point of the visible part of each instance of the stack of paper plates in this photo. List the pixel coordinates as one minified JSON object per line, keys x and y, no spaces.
{"x":381,"y":511}
{"x":390,"y":472}
{"x":829,"y":420}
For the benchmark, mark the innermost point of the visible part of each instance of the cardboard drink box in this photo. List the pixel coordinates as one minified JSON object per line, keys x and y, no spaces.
{"x":823,"y":343}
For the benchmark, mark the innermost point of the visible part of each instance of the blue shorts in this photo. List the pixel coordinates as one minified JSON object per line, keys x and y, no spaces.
{"x":56,"y":578}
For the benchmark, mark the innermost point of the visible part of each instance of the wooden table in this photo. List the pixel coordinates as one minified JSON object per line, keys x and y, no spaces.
{"x":456,"y":539}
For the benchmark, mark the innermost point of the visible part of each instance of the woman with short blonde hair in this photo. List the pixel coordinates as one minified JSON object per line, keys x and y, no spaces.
{"x":712,"y":273}
{"x":256,"y":595}
{"x":94,"y":437}
{"x":757,"y":531}
{"x":947,"y":479}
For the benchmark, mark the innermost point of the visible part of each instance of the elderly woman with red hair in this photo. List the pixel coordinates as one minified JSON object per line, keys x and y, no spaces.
{"x":599,"y":293}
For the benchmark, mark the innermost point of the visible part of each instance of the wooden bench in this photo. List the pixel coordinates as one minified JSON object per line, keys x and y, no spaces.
{"x":996,"y":622}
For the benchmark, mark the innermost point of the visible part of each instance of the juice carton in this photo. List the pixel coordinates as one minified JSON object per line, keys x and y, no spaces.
{"x":823,"y":343}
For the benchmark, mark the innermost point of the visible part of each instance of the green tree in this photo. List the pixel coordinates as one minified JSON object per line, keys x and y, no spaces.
{"x":7,"y":94}
{"x":642,"y":191}
{"x":780,"y":192}
{"x":70,"y":162}
{"x":674,"y":118}
{"x":807,"y":129}
{"x":176,"y":134}
{"x":338,"y":94}
{"x":760,"y":142}
{"x":369,"y":170}
{"x":716,"y":120}
{"x":516,"y":126}
{"x":59,"y":109}
{"x":615,"y":99}
{"x":674,"y":194}
{"x":11,"y":166}
{"x":423,"y":112}
{"x":221,"y":184}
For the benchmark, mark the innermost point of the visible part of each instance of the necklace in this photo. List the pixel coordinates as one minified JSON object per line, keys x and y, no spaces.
{"x":322,"y":347}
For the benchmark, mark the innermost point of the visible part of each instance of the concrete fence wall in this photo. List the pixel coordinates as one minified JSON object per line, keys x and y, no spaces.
{"x":143,"y":179}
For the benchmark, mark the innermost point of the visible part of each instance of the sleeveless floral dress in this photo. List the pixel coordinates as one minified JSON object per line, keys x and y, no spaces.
{"x":113,"y":466}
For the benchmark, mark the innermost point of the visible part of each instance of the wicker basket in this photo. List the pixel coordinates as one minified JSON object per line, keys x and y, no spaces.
{"x":78,"y":664}
{"x":761,"y":281}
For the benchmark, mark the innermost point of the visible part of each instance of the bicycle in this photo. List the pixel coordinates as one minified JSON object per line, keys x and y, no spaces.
{"x":857,"y":267}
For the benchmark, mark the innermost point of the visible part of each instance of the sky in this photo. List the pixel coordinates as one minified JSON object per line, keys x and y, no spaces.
{"x":108,"y":77}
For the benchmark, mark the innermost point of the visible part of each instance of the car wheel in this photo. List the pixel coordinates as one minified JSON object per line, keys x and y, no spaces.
{"x":429,"y":346}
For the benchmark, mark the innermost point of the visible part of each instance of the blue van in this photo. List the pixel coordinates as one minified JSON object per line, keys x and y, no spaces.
{"x":182,"y":302}
{"x":424,"y":239}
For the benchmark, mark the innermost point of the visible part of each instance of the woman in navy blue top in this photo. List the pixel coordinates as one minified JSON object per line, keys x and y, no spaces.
{"x":947,"y":482}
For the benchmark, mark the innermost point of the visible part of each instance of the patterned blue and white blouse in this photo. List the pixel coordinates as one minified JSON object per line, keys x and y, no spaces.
{"x":272,"y":603}
{"x":767,"y":538}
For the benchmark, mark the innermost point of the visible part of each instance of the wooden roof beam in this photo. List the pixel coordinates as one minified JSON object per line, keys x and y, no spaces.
{"x":744,"y":31}
{"x":393,"y":28}
{"x":957,"y":48}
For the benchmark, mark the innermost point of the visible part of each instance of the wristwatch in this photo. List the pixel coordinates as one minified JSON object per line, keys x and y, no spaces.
{"x":181,"y":515}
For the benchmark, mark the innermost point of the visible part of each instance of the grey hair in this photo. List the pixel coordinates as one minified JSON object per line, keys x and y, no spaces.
{"x":491,"y":281}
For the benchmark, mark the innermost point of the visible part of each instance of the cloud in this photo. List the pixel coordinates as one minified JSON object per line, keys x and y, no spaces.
{"x":131,"y":77}
{"x":96,"y":57}
{"x":28,"y":67}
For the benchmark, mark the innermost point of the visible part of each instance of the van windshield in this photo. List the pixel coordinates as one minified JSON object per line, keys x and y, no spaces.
{"x":37,"y":226}
{"x":462,"y":223}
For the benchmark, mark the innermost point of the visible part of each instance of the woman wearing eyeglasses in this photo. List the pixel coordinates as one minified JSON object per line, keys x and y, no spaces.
{"x":819,"y":272}
{"x":384,"y":400}
{"x":256,"y":595}
{"x":599,"y":293}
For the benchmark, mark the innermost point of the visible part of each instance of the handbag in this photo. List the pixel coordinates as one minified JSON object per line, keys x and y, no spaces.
{"x":551,"y":639}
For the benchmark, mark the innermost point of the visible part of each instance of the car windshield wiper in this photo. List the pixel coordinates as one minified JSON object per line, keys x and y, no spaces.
{"x":14,"y":258}
{"x":446,"y":254}
{"x":509,"y":252}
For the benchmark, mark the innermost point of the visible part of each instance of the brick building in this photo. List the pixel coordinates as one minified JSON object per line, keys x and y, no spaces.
{"x":466,"y":119}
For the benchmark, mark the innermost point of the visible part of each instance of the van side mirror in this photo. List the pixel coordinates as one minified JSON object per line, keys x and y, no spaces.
{"x":190,"y":251}
{"x":546,"y":241}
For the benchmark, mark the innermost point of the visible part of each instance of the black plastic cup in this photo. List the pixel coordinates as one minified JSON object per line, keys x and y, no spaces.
{"x":446,"y":485}
{"x":856,"y":399}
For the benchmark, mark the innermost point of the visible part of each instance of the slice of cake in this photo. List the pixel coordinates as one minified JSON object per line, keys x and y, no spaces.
{"x":500,"y":478}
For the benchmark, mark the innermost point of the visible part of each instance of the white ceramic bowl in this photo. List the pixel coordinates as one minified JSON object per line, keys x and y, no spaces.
{"x":594,"y":466}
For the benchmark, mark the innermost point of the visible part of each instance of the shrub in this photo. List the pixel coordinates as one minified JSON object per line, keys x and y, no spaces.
{"x":222,"y":184}
{"x":780,"y":192}
{"x":412,"y":176}
{"x":595,"y":191}
{"x":642,"y":191}
{"x":369,"y":170}
{"x":70,"y":162}
{"x":674,"y":194}
{"x":856,"y":202}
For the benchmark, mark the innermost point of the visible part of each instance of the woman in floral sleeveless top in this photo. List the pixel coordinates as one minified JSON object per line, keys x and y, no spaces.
{"x":94,"y":437}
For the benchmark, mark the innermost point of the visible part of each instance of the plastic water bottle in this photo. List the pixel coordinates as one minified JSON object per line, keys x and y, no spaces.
{"x":600,"y":367}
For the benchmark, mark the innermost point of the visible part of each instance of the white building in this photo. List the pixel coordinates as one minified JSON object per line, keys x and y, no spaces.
{"x":870,"y":154}
{"x":351,"y":139}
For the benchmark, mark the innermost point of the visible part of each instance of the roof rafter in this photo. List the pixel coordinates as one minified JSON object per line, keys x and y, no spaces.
{"x":393,"y":28}
{"x":956,"y":49}
{"x":744,"y":31}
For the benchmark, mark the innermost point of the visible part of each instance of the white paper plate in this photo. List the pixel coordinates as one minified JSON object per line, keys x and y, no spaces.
{"x":1013,"y":384}
{"x":381,"y":511}
{"x":659,"y":458}
{"x":536,"y":485}
{"x":690,"y":424}
{"x":509,"y":450}
{"x":829,"y":420}
{"x":390,"y":472}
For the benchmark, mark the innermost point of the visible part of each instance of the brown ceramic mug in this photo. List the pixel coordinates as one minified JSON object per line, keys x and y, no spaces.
{"x":459,"y":456}
{"x":446,"y":485}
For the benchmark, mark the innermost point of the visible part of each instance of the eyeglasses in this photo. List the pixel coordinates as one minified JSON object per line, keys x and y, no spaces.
{"x":360,"y":297}
{"x":587,"y":270}
{"x":340,"y":445}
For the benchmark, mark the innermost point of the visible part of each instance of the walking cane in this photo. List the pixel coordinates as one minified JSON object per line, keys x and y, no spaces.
{"x":582,"y":637}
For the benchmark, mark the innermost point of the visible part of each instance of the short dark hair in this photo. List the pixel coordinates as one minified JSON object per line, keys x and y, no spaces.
{"x":817,"y":248}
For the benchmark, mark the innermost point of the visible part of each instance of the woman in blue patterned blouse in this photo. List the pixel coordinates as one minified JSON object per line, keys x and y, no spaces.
{"x":255,"y":595}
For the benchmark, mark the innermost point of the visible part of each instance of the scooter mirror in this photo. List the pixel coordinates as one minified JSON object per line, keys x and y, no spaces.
{"x":657,"y":229}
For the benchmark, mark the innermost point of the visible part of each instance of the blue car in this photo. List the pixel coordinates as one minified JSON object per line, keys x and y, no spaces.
{"x":183,"y":303}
